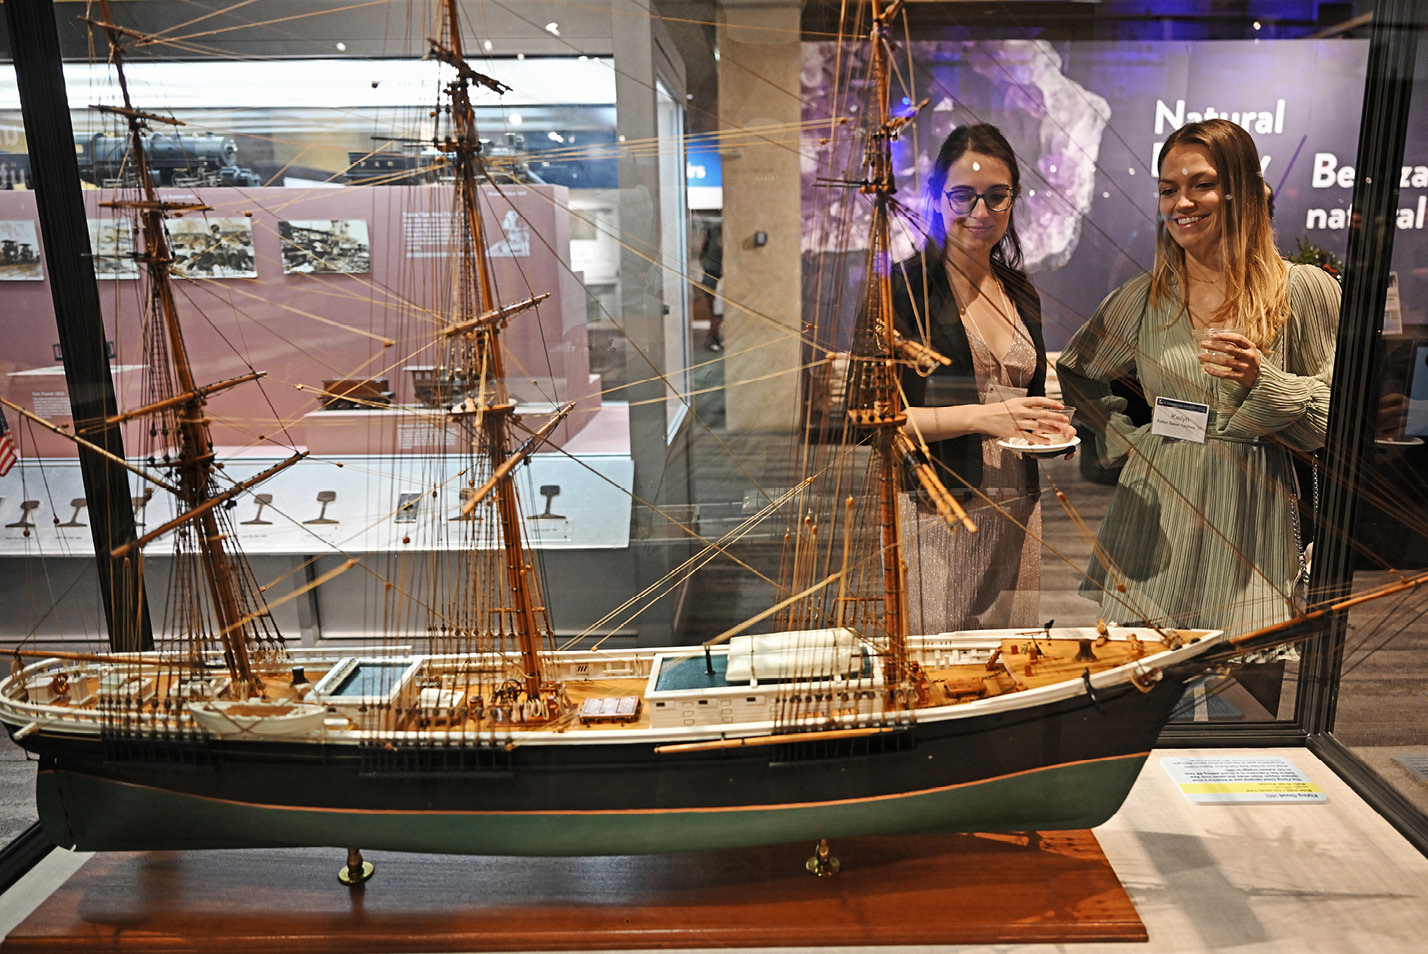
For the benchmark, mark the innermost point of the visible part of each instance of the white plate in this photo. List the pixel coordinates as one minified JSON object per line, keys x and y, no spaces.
{"x":1022,"y":446}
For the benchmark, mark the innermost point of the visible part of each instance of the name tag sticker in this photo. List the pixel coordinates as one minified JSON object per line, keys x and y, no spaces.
{"x":1181,"y":420}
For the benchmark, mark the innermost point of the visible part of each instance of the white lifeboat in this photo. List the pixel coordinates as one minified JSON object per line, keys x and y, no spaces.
{"x":258,"y":717}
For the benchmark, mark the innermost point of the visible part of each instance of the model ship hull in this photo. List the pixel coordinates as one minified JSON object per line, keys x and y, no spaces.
{"x":1057,"y":757}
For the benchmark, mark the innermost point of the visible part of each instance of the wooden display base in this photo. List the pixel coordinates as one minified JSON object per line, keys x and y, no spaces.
{"x":946,"y":889}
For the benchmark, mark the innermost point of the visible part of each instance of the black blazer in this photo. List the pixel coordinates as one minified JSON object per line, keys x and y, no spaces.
{"x":956,"y":383}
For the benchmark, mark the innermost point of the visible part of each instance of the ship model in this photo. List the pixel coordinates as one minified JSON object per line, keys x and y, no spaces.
{"x":821,"y":718}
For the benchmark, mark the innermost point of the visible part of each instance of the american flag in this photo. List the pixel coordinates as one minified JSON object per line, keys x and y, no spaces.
{"x":8,"y":454}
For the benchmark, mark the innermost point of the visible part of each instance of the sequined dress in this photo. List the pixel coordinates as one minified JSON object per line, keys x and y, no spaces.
{"x":989,"y":579}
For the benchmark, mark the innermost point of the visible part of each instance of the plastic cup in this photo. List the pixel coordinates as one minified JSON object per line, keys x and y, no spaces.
{"x":1048,"y":437}
{"x":1203,"y":336}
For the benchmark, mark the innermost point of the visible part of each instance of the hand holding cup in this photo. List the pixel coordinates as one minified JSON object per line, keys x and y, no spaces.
{"x":1226,"y":353}
{"x":1054,"y":427}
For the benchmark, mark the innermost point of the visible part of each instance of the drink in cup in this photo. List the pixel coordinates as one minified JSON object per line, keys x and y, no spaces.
{"x":1203,"y":336}
{"x":1053,"y":437}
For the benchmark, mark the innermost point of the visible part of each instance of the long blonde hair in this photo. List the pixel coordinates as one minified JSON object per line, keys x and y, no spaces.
{"x":1256,"y":293}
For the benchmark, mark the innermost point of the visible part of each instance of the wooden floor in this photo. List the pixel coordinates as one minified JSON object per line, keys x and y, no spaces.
{"x":1325,"y":878}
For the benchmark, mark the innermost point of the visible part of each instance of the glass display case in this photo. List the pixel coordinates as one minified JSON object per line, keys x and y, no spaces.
{"x":314,"y":161}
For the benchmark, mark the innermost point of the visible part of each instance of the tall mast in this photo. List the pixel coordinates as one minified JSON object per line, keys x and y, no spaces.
{"x":194,"y":463}
{"x":874,"y":401}
{"x":495,"y":407}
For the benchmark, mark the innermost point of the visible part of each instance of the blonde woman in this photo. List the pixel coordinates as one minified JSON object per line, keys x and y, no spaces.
{"x":1235,"y":345}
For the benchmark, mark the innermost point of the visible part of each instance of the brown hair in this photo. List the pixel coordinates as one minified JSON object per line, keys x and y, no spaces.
{"x":1256,"y":293}
{"x":987,"y":140}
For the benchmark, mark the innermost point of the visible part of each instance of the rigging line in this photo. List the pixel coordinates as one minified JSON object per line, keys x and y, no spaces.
{"x":1170,"y":489}
{"x":1082,"y":92}
{"x":644,"y":17}
{"x":292,"y":309}
{"x":240,"y":354}
{"x":55,"y":599}
{"x":339,"y":546}
{"x":1065,"y":558}
{"x":768,"y":319}
{"x":782,"y":604}
{"x":521,"y":269}
{"x":167,"y":38}
{"x":727,"y":136}
{"x":329,"y":285}
{"x":691,"y":564}
{"x":1331,"y":607}
{"x":635,"y":347}
{"x":209,"y":504}
{"x":187,"y":43}
{"x":399,"y":177}
{"x":308,"y":144}
{"x":1048,"y":186}
{"x":89,"y":445}
{"x":221,"y":11}
{"x":1361,"y":652}
{"x":842,"y":85}
{"x":269,"y":605}
{"x":1098,"y":553}
{"x":1044,"y":51}
{"x":682,"y":395}
{"x":281,"y":337}
{"x":1259,"y":474}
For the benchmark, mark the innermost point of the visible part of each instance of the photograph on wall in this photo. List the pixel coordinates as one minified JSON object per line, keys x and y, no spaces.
{"x":20,"y":252}
{"x":212,"y":248}
{"x":325,"y":246}
{"x":113,"y":243}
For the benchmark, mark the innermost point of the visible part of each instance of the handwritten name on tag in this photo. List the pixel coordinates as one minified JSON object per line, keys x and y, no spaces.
{"x":1180,"y":420}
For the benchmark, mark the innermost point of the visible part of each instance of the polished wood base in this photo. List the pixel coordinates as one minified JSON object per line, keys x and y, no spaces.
{"x":947,"y":889}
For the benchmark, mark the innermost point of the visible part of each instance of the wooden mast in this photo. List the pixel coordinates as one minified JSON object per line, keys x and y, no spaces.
{"x":876,"y":404}
{"x":494,"y":405}
{"x":194,"y":468}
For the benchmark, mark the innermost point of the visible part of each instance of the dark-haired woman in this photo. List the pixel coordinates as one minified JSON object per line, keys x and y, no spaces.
{"x":1200,"y":531}
{"x":965,"y":295}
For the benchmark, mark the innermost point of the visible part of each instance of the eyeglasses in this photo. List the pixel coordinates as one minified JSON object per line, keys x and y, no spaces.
{"x":964,"y":200}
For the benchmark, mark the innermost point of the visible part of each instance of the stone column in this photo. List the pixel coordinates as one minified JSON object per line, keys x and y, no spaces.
{"x":759,"y":110}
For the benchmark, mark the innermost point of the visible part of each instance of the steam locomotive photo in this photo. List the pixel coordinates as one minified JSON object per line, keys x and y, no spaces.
{"x":175,"y":159}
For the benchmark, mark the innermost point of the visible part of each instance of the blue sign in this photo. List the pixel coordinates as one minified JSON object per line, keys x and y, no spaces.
{"x":702,"y":168}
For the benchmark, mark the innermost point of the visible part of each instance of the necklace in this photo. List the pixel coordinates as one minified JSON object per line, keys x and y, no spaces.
{"x":1200,"y":304}
{"x":964,"y":302}
{"x":1006,"y":311}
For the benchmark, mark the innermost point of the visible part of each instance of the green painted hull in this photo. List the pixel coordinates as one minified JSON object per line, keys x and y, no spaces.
{"x":127,"y":816}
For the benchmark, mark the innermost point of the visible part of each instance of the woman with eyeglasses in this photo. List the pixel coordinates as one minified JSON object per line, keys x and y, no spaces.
{"x":965,"y":296}
{"x":1234,"y":349}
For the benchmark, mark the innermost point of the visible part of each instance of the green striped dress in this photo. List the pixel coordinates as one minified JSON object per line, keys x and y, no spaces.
{"x":1201,"y":535}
